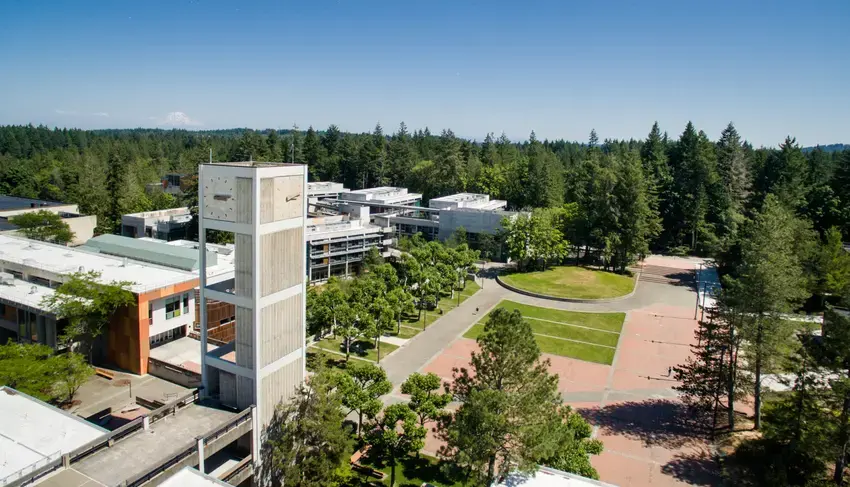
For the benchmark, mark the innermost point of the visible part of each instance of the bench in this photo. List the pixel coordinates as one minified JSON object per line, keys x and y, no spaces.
{"x":106,"y":374}
{"x":358,"y":467}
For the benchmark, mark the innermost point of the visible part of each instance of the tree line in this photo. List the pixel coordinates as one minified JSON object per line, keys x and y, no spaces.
{"x":687,"y":194}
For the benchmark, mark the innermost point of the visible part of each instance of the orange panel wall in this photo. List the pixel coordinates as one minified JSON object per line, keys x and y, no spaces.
{"x":128,"y":340}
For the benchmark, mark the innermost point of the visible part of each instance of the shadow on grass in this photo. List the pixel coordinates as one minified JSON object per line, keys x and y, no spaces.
{"x":655,"y":422}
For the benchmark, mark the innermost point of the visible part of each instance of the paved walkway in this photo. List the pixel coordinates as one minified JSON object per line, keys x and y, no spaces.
{"x":420,"y":349}
{"x":631,"y":404}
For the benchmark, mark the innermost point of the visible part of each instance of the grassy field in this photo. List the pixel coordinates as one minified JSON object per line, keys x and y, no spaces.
{"x":361,"y":348}
{"x":585,"y":336}
{"x":572,"y":282}
{"x":410,"y":472}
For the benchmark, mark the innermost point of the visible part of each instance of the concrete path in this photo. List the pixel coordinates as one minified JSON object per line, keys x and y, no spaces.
{"x":419,"y":350}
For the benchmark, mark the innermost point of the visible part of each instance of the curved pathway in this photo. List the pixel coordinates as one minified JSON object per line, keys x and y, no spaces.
{"x":631,"y":402}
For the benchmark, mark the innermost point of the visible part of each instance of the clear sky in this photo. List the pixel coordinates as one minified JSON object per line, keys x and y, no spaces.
{"x":560,"y":68}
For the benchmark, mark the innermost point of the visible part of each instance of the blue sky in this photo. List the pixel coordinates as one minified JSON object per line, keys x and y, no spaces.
{"x":560,"y":68}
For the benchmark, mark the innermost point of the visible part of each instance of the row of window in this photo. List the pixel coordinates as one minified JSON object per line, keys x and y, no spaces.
{"x":167,"y":336}
{"x":172,"y":307}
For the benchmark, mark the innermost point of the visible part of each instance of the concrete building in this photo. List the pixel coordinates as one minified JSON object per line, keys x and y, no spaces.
{"x":59,"y":450}
{"x":168,"y":225}
{"x":324,"y":190}
{"x":338,"y":244}
{"x":383,"y":199}
{"x":82,"y":225}
{"x":476,"y":213}
{"x":33,"y":434}
{"x":265,"y":206}
{"x":162,"y":284}
{"x":469,"y":201}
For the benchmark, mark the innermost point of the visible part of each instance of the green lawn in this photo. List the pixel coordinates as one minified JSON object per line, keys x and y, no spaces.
{"x":361,"y":348}
{"x":600,"y":321}
{"x":572,"y":282}
{"x":406,"y":332}
{"x":599,"y":345}
{"x":410,"y":472}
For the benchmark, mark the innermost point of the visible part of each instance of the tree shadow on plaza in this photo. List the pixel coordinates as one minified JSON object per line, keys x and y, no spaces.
{"x":697,"y":468}
{"x":655,"y":422}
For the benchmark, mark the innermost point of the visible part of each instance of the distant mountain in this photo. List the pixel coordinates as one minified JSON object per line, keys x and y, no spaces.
{"x":829,"y":148}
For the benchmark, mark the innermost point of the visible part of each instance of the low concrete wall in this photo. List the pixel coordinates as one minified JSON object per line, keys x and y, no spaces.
{"x":173,"y":373}
{"x":568,"y":300}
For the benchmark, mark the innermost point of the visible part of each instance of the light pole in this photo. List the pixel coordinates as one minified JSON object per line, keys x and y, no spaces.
{"x":696,"y":307}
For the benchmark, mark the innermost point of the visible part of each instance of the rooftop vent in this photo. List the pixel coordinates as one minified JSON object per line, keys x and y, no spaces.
{"x":33,"y":289}
{"x":124,"y":262}
{"x":81,"y":269}
{"x":7,"y":279}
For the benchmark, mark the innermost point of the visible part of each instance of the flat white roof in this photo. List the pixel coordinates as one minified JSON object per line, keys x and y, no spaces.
{"x":319,"y":187}
{"x":32,"y":431}
{"x":26,"y":293}
{"x":462,"y":197}
{"x":161,"y":213}
{"x":191,"y":477}
{"x":549,"y":477}
{"x":65,"y":260}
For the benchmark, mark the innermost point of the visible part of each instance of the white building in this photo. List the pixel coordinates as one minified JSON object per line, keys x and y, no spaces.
{"x":33,"y":434}
{"x":82,"y":225}
{"x":162,"y":283}
{"x":469,"y":201}
{"x":168,"y":225}
{"x":338,"y":244}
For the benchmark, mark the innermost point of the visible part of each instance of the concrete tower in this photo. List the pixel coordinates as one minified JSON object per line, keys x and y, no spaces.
{"x":265,"y":206}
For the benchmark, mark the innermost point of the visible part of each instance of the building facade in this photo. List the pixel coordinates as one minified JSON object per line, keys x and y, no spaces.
{"x":264,"y":206}
{"x":164,"y":299}
{"x":338,"y":244}
{"x":82,"y":225}
{"x":171,"y":224}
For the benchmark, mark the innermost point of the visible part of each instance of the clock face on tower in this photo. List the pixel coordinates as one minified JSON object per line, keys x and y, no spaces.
{"x":220,"y":198}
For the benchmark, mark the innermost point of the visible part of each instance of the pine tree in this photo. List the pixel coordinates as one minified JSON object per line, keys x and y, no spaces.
{"x":312,"y":149}
{"x":306,"y":444}
{"x":770,"y":282}
{"x":732,"y":167}
{"x":511,"y":417}
{"x":401,"y":156}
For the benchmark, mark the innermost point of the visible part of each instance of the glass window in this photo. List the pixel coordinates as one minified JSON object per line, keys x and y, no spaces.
{"x":150,"y":313}
{"x":186,"y":302}
{"x":172,"y":307}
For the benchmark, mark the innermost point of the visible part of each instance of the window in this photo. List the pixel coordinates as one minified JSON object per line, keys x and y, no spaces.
{"x":186,"y":303}
{"x":150,"y":313}
{"x":172,"y":307}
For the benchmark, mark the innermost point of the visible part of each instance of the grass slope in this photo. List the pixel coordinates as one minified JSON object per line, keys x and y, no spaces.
{"x":572,"y":282}
{"x":562,"y":331}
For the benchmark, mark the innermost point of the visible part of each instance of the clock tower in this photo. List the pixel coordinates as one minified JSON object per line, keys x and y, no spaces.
{"x":264,"y":206}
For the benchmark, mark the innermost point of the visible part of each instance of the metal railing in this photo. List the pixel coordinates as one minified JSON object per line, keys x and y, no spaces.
{"x":231,"y":425}
{"x":162,"y":467}
{"x":190,"y":450}
{"x":44,"y":462}
{"x":245,"y":463}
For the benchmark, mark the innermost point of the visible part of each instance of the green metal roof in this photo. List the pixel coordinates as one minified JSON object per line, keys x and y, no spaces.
{"x":153,"y":252}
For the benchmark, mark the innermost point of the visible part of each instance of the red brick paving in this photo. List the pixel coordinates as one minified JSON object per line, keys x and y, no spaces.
{"x":644,"y":443}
